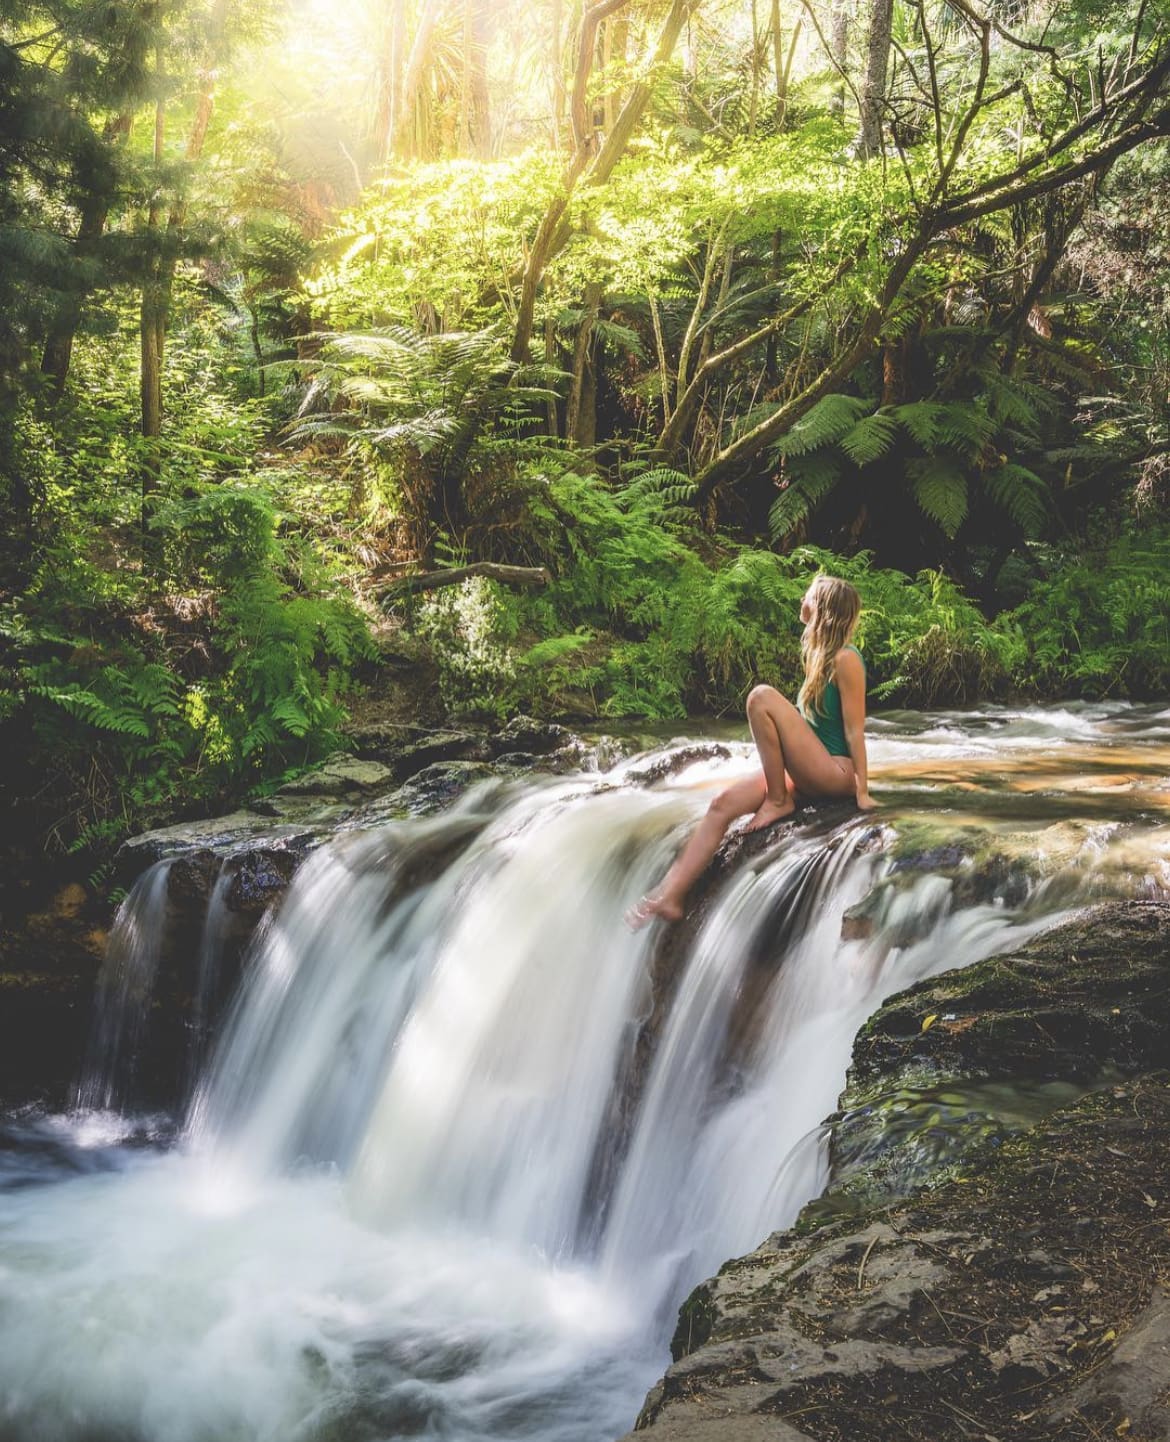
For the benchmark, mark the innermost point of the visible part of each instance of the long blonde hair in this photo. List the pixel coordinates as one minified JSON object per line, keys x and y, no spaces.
{"x":835,"y":607}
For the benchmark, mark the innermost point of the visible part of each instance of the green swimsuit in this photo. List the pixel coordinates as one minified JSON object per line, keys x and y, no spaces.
{"x":829,"y":724}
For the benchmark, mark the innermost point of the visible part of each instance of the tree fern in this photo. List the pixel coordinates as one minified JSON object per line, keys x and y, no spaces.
{"x":1020,"y":492}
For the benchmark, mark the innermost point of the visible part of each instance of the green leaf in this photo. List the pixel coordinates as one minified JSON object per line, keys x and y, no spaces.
{"x":1021,"y":493}
{"x":809,"y":481}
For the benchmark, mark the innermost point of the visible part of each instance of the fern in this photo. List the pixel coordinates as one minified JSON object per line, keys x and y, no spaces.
{"x":870,"y":438}
{"x":921,"y":420}
{"x":940,"y":488}
{"x":810,"y":478}
{"x":1021,"y":493}
{"x":830,"y":419}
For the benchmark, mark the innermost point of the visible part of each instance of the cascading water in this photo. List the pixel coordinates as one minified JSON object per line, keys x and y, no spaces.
{"x":124,"y":992}
{"x":208,"y":964}
{"x":455,"y":1159}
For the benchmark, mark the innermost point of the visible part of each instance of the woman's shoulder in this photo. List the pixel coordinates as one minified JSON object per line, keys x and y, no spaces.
{"x":852,"y":660}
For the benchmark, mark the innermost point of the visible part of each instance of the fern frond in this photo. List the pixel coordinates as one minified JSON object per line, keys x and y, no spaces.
{"x":827,"y":422}
{"x":1021,"y":493}
{"x":809,"y":482}
{"x":870,"y":438}
{"x":940,"y":488}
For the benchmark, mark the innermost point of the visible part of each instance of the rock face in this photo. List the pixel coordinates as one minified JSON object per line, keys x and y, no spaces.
{"x":1022,"y":1295}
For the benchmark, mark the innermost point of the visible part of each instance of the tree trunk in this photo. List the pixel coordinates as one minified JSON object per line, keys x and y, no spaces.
{"x":149,"y":330}
{"x":95,"y":210}
{"x":390,"y":78}
{"x":525,"y":576}
{"x":554,"y":230}
{"x":557,"y":73}
{"x":778,"y":65}
{"x":58,"y":351}
{"x":580,"y":418}
{"x":479,"y":98}
{"x":403,"y":141}
{"x":877,"y":61}
{"x":839,"y":51}
{"x":550,"y":357}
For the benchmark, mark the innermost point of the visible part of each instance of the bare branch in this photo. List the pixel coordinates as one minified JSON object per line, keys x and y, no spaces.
{"x":528,"y":576}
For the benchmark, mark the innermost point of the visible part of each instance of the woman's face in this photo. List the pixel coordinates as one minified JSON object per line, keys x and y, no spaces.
{"x":806,"y":607}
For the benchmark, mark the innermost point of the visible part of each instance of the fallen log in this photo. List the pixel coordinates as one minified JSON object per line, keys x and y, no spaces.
{"x":452,"y":575}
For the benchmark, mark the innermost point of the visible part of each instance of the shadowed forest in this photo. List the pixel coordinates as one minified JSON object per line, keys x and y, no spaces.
{"x":486,"y":356}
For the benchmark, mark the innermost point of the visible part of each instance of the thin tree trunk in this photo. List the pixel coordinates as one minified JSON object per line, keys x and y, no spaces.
{"x":580,"y":418}
{"x":150,"y":359}
{"x":557,"y":71}
{"x":390,"y":78}
{"x":554,"y":229}
{"x":95,"y":210}
{"x":58,"y":351}
{"x":877,"y":62}
{"x":402,"y":140}
{"x":839,"y":51}
{"x":550,"y":356}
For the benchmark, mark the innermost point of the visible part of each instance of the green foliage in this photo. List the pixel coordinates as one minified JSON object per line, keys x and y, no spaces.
{"x":1099,"y":624}
{"x":438,"y":409}
{"x":638,"y":623}
{"x":940,"y":452}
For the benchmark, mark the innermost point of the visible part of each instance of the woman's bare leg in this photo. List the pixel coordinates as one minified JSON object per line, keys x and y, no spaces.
{"x":667,"y":900}
{"x":792,"y":754}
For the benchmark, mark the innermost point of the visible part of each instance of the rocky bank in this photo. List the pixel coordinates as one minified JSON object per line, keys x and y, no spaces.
{"x":989,"y":1261}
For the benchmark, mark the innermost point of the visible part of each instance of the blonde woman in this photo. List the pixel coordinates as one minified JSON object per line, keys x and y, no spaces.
{"x":815,"y":748}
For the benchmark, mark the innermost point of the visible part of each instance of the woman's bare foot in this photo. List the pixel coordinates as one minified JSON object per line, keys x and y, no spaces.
{"x":666,"y":907}
{"x":771,"y":811}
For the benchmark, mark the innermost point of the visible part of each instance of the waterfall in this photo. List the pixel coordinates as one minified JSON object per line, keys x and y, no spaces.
{"x":125,"y":989}
{"x":464,"y":1141}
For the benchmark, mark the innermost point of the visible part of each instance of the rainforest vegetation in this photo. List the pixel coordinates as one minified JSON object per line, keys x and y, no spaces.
{"x":554,"y":344}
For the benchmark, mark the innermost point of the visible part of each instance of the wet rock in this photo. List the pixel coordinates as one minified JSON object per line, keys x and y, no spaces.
{"x":260,"y":878}
{"x":1091,"y":994}
{"x":1018,"y":1286}
{"x":191,"y":878}
{"x":678,"y":760}
{"x":906,"y":1324}
{"x":382,"y":740}
{"x":524,"y":733}
{"x":438,"y":785}
{"x":1133,"y":1380}
{"x":216,"y":833}
{"x":341,"y":775}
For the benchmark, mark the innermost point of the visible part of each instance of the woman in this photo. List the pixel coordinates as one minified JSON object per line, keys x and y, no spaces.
{"x":815,"y":748}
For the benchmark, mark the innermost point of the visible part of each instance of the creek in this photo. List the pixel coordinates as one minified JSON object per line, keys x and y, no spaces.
{"x":463,"y":1142}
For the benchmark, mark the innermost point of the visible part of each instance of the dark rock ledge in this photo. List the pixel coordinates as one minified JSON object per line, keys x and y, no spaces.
{"x":1022,"y":1292}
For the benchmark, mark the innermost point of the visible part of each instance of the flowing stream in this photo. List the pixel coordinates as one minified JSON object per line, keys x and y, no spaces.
{"x":465,"y":1141}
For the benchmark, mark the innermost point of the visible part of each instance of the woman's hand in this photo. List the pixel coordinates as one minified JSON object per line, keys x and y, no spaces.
{"x":865,"y":802}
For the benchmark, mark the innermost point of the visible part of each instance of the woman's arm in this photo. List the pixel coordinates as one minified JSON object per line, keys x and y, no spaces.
{"x":850,"y":672}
